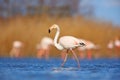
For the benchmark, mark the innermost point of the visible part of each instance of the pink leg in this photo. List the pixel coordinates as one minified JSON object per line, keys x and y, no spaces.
{"x":89,"y":54}
{"x":63,"y":54}
{"x":81,"y":54}
{"x":17,"y":53}
{"x":65,"y":59}
{"x":40,"y":53}
{"x":46,"y":54}
{"x":76,"y":58}
{"x":117,"y":51}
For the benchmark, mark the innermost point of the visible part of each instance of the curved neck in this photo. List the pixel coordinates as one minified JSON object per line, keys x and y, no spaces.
{"x":57,"y":45}
{"x":56,"y":35}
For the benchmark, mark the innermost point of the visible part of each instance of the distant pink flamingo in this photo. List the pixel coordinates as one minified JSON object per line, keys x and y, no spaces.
{"x":66,"y":42}
{"x":117,"y":46}
{"x":44,"y":47}
{"x":110,"y":47}
{"x":89,"y":46}
{"x":16,"y":49}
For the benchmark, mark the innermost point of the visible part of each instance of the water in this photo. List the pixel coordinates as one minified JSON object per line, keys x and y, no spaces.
{"x":40,"y":69}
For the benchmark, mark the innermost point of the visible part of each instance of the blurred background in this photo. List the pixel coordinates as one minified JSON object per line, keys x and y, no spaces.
{"x":28,"y":21}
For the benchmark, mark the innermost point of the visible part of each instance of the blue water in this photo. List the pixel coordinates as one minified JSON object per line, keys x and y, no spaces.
{"x":40,"y":69}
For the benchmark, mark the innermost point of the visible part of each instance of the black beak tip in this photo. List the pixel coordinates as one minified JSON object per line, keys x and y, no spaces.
{"x":49,"y":31}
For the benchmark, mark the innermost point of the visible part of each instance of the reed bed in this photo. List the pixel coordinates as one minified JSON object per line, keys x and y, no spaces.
{"x":31,"y":29}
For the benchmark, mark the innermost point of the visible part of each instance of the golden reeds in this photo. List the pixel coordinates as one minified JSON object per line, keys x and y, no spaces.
{"x":30,"y":30}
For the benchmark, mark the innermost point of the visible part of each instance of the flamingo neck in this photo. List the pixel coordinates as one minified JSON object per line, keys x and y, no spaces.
{"x":56,"y":35}
{"x":57,"y":45}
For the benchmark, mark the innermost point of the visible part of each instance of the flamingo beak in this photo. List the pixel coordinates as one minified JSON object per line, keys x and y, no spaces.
{"x":49,"y":30}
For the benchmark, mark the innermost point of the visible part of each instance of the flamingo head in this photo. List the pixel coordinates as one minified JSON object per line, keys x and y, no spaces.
{"x":53,"y":27}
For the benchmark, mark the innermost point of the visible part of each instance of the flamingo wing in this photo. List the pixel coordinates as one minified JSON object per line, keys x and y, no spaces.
{"x":69,"y":42}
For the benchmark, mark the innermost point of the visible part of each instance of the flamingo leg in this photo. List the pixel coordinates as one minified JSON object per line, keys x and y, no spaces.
{"x":74,"y":54}
{"x":65,"y":59}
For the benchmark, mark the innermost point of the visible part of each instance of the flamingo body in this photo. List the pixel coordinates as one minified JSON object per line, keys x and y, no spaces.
{"x":68,"y":42}
{"x":46,"y":42}
{"x":44,"y":47}
{"x":16,"y":49}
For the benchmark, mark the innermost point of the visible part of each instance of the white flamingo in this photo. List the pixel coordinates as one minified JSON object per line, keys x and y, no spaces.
{"x":117,"y":45}
{"x":117,"y":42}
{"x":66,"y":42}
{"x":110,"y":45}
{"x":16,"y":49}
{"x":44,"y":47}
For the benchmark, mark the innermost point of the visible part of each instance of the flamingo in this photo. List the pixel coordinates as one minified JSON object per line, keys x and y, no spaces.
{"x":44,"y":47}
{"x":66,"y":42}
{"x":117,"y":45}
{"x":16,"y":49}
{"x":110,"y":47}
{"x":89,"y":46}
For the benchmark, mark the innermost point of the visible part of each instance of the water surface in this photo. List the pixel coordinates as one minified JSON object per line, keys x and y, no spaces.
{"x":41,"y":69}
